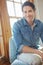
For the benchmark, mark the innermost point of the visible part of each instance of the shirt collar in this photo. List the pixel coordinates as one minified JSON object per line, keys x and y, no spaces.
{"x":25,"y":22}
{"x":35,"y":21}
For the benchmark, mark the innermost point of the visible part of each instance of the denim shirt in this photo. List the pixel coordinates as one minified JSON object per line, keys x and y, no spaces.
{"x":24,"y":35}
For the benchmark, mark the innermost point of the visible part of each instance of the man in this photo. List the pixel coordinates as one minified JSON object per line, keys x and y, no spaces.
{"x":27,"y":33}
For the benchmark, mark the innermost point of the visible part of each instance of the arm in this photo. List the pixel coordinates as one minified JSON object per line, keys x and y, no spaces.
{"x":27,"y":49}
{"x":17,"y":37}
{"x":41,"y":35}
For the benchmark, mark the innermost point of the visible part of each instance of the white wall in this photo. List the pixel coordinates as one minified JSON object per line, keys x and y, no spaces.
{"x":39,"y":9}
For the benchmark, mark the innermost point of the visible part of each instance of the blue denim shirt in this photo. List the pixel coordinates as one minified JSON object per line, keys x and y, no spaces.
{"x":24,"y":35}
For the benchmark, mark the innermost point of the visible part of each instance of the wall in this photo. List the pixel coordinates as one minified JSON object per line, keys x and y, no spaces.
{"x":39,"y":9}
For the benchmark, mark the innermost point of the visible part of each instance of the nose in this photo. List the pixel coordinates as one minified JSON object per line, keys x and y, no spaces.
{"x":27,"y":14}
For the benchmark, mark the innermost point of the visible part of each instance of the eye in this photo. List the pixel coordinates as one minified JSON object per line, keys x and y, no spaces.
{"x":30,"y":11}
{"x":25,"y":11}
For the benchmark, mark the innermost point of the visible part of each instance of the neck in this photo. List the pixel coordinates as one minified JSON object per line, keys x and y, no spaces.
{"x":31,"y":23}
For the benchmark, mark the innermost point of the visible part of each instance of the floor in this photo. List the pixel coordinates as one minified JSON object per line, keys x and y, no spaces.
{"x":4,"y":61}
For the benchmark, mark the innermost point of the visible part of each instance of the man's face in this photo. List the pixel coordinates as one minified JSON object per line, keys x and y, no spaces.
{"x":28,"y":13}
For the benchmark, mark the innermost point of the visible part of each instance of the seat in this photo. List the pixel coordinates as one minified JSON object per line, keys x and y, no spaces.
{"x":12,"y":53}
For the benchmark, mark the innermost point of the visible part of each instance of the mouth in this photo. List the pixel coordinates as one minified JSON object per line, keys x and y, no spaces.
{"x":29,"y":17}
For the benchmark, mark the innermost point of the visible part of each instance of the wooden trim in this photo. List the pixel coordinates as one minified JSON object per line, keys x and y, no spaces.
{"x":14,"y":17}
{"x":0,"y":49}
{"x":5,"y":25}
{"x":1,"y":42}
{"x":1,"y":35}
{"x":31,"y":1}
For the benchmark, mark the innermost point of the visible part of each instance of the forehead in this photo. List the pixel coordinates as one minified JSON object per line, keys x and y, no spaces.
{"x":27,"y":8}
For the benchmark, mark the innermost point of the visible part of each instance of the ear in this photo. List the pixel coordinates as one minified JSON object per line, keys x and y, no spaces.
{"x":35,"y":13}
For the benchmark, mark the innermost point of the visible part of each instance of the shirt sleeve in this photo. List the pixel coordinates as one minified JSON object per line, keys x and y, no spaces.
{"x":41,"y":32}
{"x":17,"y":37}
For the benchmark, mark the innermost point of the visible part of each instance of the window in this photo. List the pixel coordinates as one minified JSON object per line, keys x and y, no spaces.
{"x":14,"y":10}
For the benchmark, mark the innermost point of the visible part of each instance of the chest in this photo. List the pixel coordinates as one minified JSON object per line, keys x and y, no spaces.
{"x":28,"y":33}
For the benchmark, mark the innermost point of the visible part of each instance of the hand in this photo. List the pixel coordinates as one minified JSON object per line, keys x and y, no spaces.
{"x":41,"y":54}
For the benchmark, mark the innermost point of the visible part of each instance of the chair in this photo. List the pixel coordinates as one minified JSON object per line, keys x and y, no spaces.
{"x":12,"y":53}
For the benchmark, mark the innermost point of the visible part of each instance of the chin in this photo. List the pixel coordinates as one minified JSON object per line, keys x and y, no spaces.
{"x":30,"y":19}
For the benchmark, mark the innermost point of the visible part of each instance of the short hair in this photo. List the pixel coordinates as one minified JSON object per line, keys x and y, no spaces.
{"x":27,"y":3}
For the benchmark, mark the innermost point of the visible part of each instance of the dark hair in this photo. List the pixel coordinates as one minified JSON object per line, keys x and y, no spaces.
{"x":27,"y":3}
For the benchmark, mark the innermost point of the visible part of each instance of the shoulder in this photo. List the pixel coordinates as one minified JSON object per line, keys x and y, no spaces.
{"x":39,"y":22}
{"x":18,"y":24}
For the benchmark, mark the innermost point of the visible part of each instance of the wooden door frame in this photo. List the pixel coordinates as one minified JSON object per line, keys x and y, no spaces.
{"x":5,"y":26}
{"x":31,"y":1}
